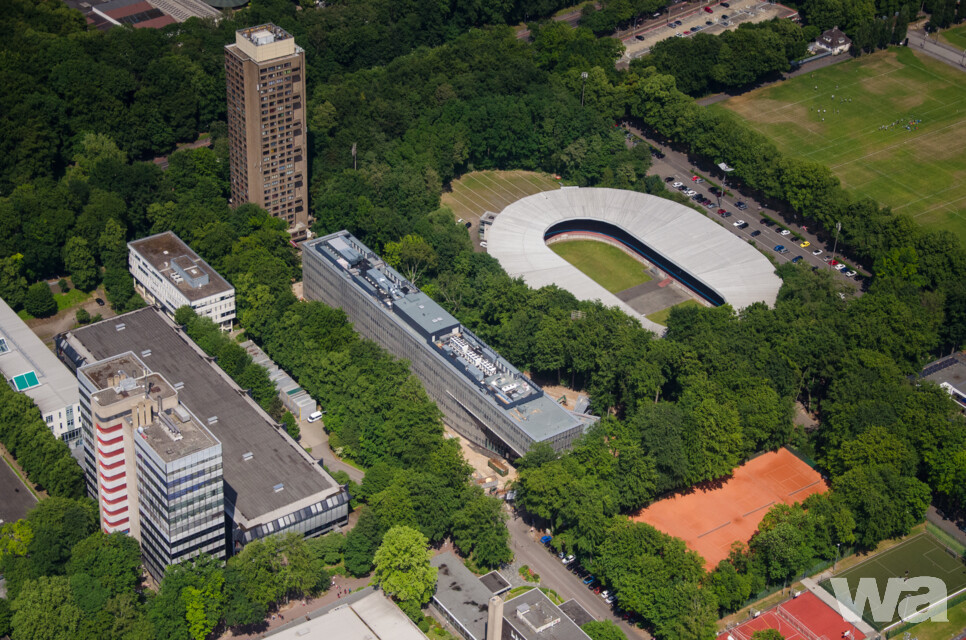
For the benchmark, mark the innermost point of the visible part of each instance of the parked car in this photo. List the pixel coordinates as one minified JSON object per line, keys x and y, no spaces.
{"x":726,"y":214}
{"x":697,"y":28}
{"x":678,"y":23}
{"x":755,"y":233}
{"x":738,"y":222}
{"x":725,"y":23}
{"x":708,"y":23}
{"x":779,"y":248}
{"x":669,"y":179}
{"x":743,"y":225}
{"x":797,"y":259}
{"x":679,"y":35}
{"x":677,"y":185}
{"x":605,"y":594}
{"x":460,"y":221}
{"x":569,"y":559}
{"x":784,"y":251}
{"x":817,"y":252}
{"x":785,"y":232}
{"x":315,"y":416}
{"x":721,"y":212}
{"x":724,"y":16}
{"x":851,"y":274}
{"x":99,"y":302}
{"x":610,"y":599}
{"x":767,"y":222}
{"x":805,"y":244}
{"x":840,"y":267}
{"x":708,"y":10}
{"x":826,"y":259}
{"x":589,"y":579}
{"x":639,"y":37}
{"x":741,"y":205}
{"x":546,"y":539}
{"x":725,"y":5}
{"x":483,"y":244}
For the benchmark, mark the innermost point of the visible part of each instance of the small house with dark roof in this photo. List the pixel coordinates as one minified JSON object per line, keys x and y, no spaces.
{"x":834,"y":41}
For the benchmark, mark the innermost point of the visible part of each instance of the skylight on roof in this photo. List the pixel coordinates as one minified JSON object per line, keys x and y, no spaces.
{"x":25,"y":381}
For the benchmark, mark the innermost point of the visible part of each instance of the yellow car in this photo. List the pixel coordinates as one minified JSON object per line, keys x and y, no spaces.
{"x":805,"y":244}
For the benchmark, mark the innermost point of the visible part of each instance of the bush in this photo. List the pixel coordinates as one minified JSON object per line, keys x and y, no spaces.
{"x":63,"y":285}
{"x":83,"y":317}
{"x":40,"y":301}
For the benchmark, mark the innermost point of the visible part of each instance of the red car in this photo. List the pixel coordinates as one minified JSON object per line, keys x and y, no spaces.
{"x":721,"y":212}
{"x":834,"y":262}
{"x":709,"y":9}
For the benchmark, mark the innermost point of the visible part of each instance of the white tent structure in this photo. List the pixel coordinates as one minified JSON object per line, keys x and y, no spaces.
{"x":721,"y":261}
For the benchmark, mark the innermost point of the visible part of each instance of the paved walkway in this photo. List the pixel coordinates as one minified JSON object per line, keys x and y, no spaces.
{"x":950,"y":527}
{"x":315,"y":437}
{"x":830,"y":600}
{"x":920,"y":41}
{"x":342,"y":588}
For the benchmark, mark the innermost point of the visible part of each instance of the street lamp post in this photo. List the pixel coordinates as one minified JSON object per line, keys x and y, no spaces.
{"x":583,"y":76}
{"x":835,"y":245}
{"x":725,"y":170}
{"x":837,"y":545}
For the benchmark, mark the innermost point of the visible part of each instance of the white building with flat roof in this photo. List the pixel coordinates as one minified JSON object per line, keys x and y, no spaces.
{"x":168,"y":274}
{"x":364,"y":615}
{"x":31,"y":368}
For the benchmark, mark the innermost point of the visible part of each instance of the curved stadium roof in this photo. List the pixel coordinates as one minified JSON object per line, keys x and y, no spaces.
{"x":721,"y":266}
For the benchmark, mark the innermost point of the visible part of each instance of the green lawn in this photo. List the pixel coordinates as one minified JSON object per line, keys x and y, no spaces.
{"x":661,"y":316}
{"x":70,"y":299}
{"x":920,"y":171}
{"x":956,"y":37}
{"x":607,"y":265}
{"x":930,"y":630}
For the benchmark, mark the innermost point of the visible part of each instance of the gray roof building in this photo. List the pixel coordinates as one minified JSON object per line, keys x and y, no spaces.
{"x":950,"y":374}
{"x":482,"y":395}
{"x":271,"y":484}
{"x":31,"y":368}
{"x":478,"y":613}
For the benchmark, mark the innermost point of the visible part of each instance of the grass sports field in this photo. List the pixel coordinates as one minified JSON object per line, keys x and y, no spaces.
{"x":661,"y":316}
{"x":953,"y":626}
{"x":481,"y":191}
{"x":921,"y":555}
{"x":955,"y":37}
{"x":853,"y":117}
{"x":606,"y":265}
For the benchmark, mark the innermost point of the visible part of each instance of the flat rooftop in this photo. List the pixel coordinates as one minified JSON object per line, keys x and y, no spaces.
{"x":51,"y":386}
{"x":181,"y":266}
{"x":949,"y":373}
{"x":369,"y":617}
{"x":461,"y":593}
{"x":463,"y":352}
{"x":226,"y":411}
{"x":174,"y":432}
{"x":535,"y":617}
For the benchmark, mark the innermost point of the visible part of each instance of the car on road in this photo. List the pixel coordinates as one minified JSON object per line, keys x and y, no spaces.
{"x":546,"y":539}
{"x":99,"y":302}
{"x":756,"y":233}
{"x":639,"y":37}
{"x":805,"y":244}
{"x":741,"y":205}
{"x":797,"y":259}
{"x":817,"y":252}
{"x":785,"y":232}
{"x":738,"y":223}
{"x":779,"y":248}
{"x":569,"y":559}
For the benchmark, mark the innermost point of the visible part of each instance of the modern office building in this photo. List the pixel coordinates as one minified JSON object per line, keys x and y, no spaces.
{"x":31,"y":368}
{"x":950,"y":374}
{"x":265,"y":77}
{"x":167,"y":273}
{"x":270,"y":484}
{"x":482,"y":396}
{"x":157,"y":468}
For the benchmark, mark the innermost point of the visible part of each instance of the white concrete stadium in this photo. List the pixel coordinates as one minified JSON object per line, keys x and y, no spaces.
{"x":696,"y":252}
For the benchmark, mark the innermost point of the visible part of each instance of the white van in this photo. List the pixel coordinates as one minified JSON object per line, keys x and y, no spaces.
{"x":315,"y":416}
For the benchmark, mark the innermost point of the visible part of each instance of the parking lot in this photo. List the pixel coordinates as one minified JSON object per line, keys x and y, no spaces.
{"x":752,"y":221}
{"x":685,"y":19}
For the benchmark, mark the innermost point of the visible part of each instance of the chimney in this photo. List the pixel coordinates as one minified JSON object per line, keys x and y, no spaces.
{"x":494,"y":619}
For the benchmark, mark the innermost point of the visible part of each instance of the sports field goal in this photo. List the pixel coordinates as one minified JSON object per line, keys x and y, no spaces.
{"x":795,"y":624}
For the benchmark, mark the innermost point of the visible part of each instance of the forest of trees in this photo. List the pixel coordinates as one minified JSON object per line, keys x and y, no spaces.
{"x":426,"y":97}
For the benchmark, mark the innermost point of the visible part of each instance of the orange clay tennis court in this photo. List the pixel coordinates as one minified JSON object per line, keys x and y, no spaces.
{"x":710,"y":519}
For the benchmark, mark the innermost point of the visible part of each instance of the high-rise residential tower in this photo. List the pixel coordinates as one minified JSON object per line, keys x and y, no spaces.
{"x":265,"y":78}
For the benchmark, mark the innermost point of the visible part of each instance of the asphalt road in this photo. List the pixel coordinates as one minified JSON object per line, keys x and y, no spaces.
{"x":553,"y":574}
{"x":678,"y":165}
{"x":920,"y":41}
{"x":15,"y":498}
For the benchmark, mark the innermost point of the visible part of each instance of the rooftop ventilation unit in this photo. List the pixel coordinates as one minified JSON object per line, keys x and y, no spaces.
{"x":278,"y":487}
{"x":212,"y":419}
{"x":120,"y":326}
{"x":178,"y":386}
{"x":248,"y":456}
{"x":145,"y":353}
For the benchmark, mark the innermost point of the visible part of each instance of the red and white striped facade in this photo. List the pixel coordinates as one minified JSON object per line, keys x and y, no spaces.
{"x":112,"y":482}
